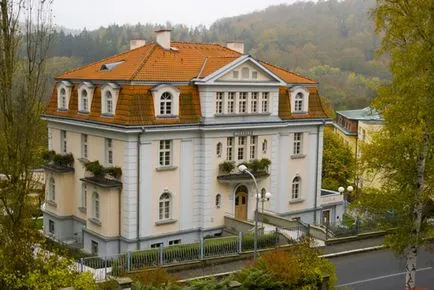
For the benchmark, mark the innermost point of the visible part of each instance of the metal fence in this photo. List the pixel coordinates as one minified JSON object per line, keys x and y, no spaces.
{"x":117,"y":265}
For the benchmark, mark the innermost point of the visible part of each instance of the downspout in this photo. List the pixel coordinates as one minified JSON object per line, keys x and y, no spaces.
{"x":119,"y":220}
{"x":316,"y":175}
{"x":138,"y":187}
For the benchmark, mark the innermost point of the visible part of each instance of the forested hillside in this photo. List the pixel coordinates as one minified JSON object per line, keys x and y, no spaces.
{"x":330,"y":41}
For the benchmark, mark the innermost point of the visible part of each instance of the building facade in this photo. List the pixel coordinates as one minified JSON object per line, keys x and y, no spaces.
{"x":177,"y":118}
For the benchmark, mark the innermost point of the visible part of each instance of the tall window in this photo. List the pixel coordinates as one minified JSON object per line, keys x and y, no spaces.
{"x":166,"y":104}
{"x":95,"y":205}
{"x":298,"y":138}
{"x":254,"y":102}
{"x":52,"y":189}
{"x":265,"y":96}
{"x":264,"y":146}
{"x":84,"y":146}
{"x":253,"y":145}
{"x":241,"y":147}
{"x":245,"y":72}
{"x":218,"y":200}
{"x":231,"y":102}
{"x":63,"y":142}
{"x":84,"y":101}
{"x":51,"y":227}
{"x":229,"y":148}
{"x":165,"y":152}
{"x":242,"y":102}
{"x":108,"y":102}
{"x":296,"y":184}
{"x":109,"y":151}
{"x":298,"y":104}
{"x":219,"y":149}
{"x":219,"y":103}
{"x":83,"y":195}
{"x":62,"y":99}
{"x":165,"y":206}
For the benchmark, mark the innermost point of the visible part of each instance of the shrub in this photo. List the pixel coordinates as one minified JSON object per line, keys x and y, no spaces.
{"x":115,"y":172}
{"x":94,"y":167}
{"x":157,"y":278}
{"x":48,"y":156}
{"x":227,"y":166}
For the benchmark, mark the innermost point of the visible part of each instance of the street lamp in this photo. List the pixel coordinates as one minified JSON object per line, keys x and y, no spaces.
{"x":243,"y":169}
{"x":341,"y":190}
{"x":265,"y":196}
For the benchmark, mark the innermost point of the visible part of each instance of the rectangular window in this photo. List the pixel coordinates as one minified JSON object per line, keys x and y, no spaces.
{"x":242,"y":103}
{"x":156,"y":245}
{"x":229,"y":147}
{"x":254,"y":102}
{"x":253,"y":145}
{"x":265,"y":96}
{"x":241,"y":147}
{"x":231,"y":102}
{"x":109,"y":151}
{"x":174,"y":242}
{"x":219,"y":103}
{"x":84,"y":195}
{"x":51,"y":227}
{"x":94,"y":247}
{"x":298,"y":138}
{"x":165,"y":152}
{"x":84,"y":145}
{"x":254,"y":75}
{"x":63,"y":142}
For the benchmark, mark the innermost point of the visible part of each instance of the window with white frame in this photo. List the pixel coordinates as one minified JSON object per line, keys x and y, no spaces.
{"x":264,"y":102}
{"x":84,"y":101}
{"x":108,"y":103}
{"x":245,"y":72}
{"x":174,"y":242}
{"x":109,"y":151}
{"x":242,"y":102}
{"x":51,"y":229}
{"x":83,"y":199}
{"x":219,"y":103}
{"x":219,"y":149}
{"x":253,"y":146}
{"x":52,"y":189}
{"x":298,"y":142}
{"x":63,"y":99}
{"x":296,"y":188}
{"x":165,"y":153}
{"x":95,"y":205}
{"x":165,"y":204}
{"x":241,"y":147}
{"x":94,"y":247}
{"x":254,"y":102}
{"x":166,"y":104}
{"x":231,"y":102}
{"x":264,"y":146}
{"x":298,"y":103}
{"x":218,"y":200}
{"x":229,"y":148}
{"x":254,"y":75}
{"x":235,"y":74}
{"x":63,"y":142}
{"x":63,"y":95}
{"x":84,"y":146}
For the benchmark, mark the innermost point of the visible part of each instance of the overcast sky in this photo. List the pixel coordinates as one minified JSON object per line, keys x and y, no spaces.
{"x":92,"y":14}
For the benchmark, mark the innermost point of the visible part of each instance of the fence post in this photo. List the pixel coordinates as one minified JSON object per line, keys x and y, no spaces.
{"x":202,"y":246}
{"x":105,"y":268}
{"x":277,"y":237}
{"x":128,"y":261}
{"x":160,"y":249}
{"x":240,"y":242}
{"x":81,"y":265}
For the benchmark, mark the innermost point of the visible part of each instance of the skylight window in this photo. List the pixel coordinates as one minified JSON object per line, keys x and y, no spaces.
{"x":110,"y":66}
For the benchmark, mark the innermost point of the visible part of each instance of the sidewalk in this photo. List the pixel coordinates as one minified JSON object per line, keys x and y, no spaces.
{"x":237,"y":265}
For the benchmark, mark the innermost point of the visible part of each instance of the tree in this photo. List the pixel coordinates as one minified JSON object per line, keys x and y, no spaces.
{"x":403,"y":153}
{"x":339,"y":164}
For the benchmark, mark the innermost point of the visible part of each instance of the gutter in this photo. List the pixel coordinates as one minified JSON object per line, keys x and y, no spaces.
{"x":138,"y":186}
{"x":316,"y":175}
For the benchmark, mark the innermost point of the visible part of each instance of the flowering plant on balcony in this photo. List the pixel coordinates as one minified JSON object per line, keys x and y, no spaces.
{"x":62,"y":160}
{"x":100,"y":171}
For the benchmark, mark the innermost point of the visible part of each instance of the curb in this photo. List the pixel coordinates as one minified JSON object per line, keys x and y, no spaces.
{"x":355,"y":251}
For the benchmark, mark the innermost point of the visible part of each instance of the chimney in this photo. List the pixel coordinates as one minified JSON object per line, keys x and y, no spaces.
{"x":135,"y":43}
{"x":237,"y":46}
{"x":163,"y":38}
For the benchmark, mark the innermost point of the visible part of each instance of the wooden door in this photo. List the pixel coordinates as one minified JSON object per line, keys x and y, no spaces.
{"x":241,"y":205}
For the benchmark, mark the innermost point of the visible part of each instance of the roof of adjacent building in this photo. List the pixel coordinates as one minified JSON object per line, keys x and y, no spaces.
{"x":365,"y":114}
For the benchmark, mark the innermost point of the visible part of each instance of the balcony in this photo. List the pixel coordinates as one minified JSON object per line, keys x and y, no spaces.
{"x":105,"y":177}
{"x":58,"y":163}
{"x":229,"y":173}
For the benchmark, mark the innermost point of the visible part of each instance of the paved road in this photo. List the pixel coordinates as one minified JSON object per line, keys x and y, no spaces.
{"x":381,"y":270}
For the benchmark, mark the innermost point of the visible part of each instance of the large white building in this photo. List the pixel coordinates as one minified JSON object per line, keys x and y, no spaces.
{"x":168,"y":114}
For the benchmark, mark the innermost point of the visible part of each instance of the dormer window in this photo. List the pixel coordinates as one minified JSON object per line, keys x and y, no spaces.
{"x":62,"y":98}
{"x":85,"y":94}
{"x":109,"y":103}
{"x":166,"y":104}
{"x":63,"y":94}
{"x":298,"y":106}
{"x":84,"y":101}
{"x":299,"y":99}
{"x":109,"y":98}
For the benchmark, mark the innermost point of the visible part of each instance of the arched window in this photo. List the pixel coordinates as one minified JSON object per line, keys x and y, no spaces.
{"x":296,"y":187}
{"x":165,"y":206}
{"x":166,"y":104}
{"x":62,"y":98}
{"x":52,"y":189}
{"x":219,"y":149}
{"x":218,"y":200}
{"x":298,"y":104}
{"x":84,"y":101}
{"x":108,"y":102}
{"x":95,"y":205}
{"x":264,"y":146}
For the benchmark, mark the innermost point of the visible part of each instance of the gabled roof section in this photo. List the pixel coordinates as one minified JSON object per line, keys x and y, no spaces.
{"x":365,"y":114}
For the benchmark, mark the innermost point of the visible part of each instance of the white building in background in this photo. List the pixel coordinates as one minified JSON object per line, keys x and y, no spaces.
{"x":168,"y":114}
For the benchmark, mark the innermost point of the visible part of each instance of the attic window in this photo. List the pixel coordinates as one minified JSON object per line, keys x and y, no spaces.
{"x":110,"y":66}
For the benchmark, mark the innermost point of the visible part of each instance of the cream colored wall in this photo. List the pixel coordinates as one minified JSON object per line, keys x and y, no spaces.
{"x":229,"y":76}
{"x":109,"y":209}
{"x":351,"y":139}
{"x":64,"y":199}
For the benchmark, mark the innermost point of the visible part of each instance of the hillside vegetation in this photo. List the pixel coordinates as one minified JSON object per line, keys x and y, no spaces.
{"x":330,"y":41}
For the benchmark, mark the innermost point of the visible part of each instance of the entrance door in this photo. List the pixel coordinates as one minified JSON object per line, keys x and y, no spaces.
{"x":241,"y":196}
{"x":326,"y":217}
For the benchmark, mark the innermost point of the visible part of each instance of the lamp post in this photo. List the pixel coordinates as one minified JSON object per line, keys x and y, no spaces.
{"x":341,"y":190}
{"x":265,"y":196}
{"x":242,"y":168}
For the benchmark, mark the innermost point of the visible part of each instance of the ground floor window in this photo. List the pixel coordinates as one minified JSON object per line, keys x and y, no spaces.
{"x":51,"y":226}
{"x":94,"y":247}
{"x":156,"y":245}
{"x":174,"y":242}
